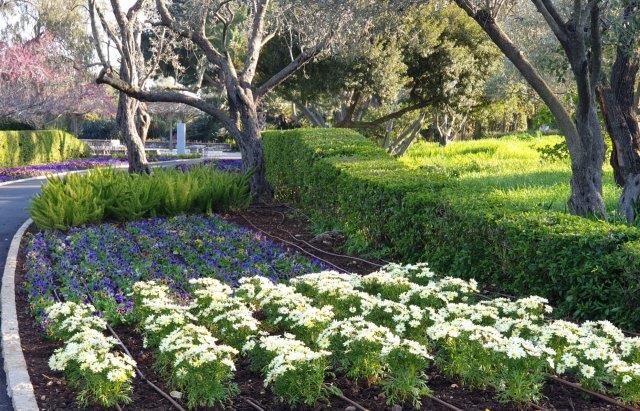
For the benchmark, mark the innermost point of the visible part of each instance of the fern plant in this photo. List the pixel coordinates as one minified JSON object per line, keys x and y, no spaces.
{"x":109,"y":194}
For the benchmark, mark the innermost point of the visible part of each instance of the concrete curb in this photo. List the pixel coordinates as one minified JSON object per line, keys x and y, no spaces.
{"x":19,"y":385}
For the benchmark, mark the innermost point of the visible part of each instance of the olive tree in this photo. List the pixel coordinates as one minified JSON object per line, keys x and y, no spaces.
{"x":618,"y":95}
{"x":228,"y":37}
{"x":577,"y":28}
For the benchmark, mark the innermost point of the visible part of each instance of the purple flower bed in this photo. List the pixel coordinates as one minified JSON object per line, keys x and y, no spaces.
{"x":105,"y":260}
{"x":17,"y":173}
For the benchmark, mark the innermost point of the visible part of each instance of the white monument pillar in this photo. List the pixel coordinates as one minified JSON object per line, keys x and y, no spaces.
{"x":181,"y":144}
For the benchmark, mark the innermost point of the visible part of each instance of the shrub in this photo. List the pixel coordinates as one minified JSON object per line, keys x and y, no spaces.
{"x":25,"y":147}
{"x":7,"y":123}
{"x":587,"y":268}
{"x":108,"y":194}
{"x":99,"y":129}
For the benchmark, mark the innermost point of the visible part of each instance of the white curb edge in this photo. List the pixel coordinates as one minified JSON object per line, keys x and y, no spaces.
{"x":19,"y":385}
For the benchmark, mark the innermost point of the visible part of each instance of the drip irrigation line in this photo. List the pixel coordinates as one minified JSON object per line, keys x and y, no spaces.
{"x":337,"y":393}
{"x":329,"y":252}
{"x":118,"y":407}
{"x":443,"y":403}
{"x":141,"y":374}
{"x":292,"y":244}
{"x":295,"y":210}
{"x":603,"y":397}
{"x":279,"y":227}
{"x":253,"y":404}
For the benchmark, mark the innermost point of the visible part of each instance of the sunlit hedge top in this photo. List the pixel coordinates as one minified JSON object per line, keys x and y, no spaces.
{"x":589,"y":269}
{"x":25,"y":147}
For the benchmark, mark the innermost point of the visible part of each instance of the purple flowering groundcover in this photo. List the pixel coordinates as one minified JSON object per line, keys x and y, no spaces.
{"x":104,"y":261}
{"x":17,"y":173}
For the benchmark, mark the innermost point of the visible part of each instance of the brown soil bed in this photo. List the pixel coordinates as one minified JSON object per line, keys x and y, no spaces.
{"x":52,"y":393}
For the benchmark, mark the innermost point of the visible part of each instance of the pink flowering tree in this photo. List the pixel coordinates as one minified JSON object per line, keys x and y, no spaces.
{"x":38,"y":83}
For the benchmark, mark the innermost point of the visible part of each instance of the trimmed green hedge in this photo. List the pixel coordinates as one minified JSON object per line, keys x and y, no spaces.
{"x":588,"y":269}
{"x":18,"y":148}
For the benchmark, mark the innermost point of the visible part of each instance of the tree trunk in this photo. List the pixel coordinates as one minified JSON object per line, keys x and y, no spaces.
{"x":582,"y":135}
{"x":126,"y":122}
{"x":250,"y":142}
{"x":406,"y":138}
{"x":143,"y":121}
{"x":586,"y":168}
{"x":617,"y":103}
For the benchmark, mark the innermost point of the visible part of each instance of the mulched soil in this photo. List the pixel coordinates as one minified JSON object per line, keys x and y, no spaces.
{"x":291,"y":230}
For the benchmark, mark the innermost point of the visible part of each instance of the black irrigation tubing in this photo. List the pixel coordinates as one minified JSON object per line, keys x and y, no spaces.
{"x":336,"y":393}
{"x":295,"y":210}
{"x":279,"y":227}
{"x":292,"y":244}
{"x":443,"y":403}
{"x":252,"y":403}
{"x":603,"y":397}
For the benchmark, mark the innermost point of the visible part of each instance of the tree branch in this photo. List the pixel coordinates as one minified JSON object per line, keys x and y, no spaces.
{"x":255,"y":41}
{"x":105,"y":77}
{"x":553,"y":19}
{"x":288,"y":70}
{"x":390,"y":116}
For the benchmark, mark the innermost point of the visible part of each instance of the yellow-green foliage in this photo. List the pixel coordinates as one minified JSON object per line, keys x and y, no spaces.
{"x":511,"y":172}
{"x":108,"y":194}
{"x":18,"y":148}
{"x":488,"y":209}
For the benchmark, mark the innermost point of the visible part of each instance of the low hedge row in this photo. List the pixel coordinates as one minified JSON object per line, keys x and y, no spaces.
{"x":588,"y":269}
{"x":26,"y":147}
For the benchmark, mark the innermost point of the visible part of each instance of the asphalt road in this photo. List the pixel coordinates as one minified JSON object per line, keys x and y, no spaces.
{"x":14,"y":200}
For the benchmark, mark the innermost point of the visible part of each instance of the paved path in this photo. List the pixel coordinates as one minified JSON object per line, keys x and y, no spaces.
{"x":14,"y":200}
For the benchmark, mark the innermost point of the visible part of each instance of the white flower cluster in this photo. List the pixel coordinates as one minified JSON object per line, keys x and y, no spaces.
{"x":196,"y":362}
{"x":287,"y":355}
{"x":67,"y":318}
{"x":192,"y":346}
{"x":343,"y":292}
{"x":284,"y":305}
{"x":418,"y":273}
{"x":87,"y":357}
{"x":90,"y":351}
{"x":355,"y":330}
{"x":157,"y":312}
{"x":215,"y":306}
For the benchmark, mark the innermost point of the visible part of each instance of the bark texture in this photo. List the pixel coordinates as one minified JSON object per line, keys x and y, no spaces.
{"x":619,"y":109}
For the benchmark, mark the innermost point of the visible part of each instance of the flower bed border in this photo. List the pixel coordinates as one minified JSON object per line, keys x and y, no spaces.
{"x":19,"y":387}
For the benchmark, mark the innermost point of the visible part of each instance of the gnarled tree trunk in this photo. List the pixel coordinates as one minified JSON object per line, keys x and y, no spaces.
{"x":619,"y":105}
{"x":128,"y":126}
{"x":586,"y":167}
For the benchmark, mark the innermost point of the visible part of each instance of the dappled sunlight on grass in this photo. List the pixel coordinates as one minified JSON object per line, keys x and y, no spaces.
{"x":508,"y":171}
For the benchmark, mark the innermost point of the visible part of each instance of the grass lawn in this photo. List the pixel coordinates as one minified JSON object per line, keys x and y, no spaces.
{"x":508,"y":170}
